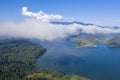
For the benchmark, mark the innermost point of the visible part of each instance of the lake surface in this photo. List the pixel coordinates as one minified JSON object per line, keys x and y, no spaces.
{"x":95,"y":63}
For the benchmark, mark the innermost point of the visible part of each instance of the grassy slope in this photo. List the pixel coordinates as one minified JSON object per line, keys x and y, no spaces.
{"x":53,"y":75}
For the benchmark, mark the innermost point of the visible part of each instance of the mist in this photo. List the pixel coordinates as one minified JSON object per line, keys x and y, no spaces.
{"x":35,"y":29}
{"x":42,"y":29}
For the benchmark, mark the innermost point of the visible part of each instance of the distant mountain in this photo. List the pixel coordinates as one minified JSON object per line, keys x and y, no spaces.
{"x":74,"y":22}
{"x":84,"y":24}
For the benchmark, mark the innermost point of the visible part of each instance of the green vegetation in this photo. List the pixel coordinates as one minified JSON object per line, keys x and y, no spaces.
{"x":86,"y":40}
{"x":53,"y":75}
{"x":83,"y":42}
{"x":112,"y":42}
{"x":18,"y":59}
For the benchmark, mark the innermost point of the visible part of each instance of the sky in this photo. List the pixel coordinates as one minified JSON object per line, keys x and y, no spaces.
{"x":32,"y":18}
{"x":101,"y":12}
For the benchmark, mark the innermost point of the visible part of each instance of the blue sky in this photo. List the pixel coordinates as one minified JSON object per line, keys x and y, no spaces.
{"x":102,"y":12}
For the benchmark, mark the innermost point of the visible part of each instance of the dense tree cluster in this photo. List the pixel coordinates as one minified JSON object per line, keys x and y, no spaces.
{"x":17,"y":58}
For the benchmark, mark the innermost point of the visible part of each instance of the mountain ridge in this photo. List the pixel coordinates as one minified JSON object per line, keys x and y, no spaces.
{"x":83,"y":23}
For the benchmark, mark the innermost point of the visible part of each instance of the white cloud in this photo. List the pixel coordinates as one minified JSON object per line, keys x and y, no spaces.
{"x":98,"y":30}
{"x":33,"y":28}
{"x":46,"y":31}
{"x":36,"y":29}
{"x":41,"y":15}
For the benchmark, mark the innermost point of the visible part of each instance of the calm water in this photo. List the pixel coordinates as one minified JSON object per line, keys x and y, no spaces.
{"x":96,"y":63}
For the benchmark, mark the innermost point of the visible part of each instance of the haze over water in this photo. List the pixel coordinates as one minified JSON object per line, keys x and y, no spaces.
{"x":96,"y":63}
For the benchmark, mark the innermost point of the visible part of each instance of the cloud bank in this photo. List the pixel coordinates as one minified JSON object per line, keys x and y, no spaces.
{"x":40,"y":28}
{"x":98,"y":30}
{"x":36,"y":29}
{"x":41,"y":15}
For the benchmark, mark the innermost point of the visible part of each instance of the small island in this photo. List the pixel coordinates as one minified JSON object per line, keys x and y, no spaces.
{"x":83,"y":42}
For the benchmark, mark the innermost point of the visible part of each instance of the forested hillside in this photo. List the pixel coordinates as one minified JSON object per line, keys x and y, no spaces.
{"x":17,"y":58}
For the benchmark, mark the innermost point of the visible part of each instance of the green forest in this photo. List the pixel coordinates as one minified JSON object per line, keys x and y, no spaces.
{"x":18,"y":60}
